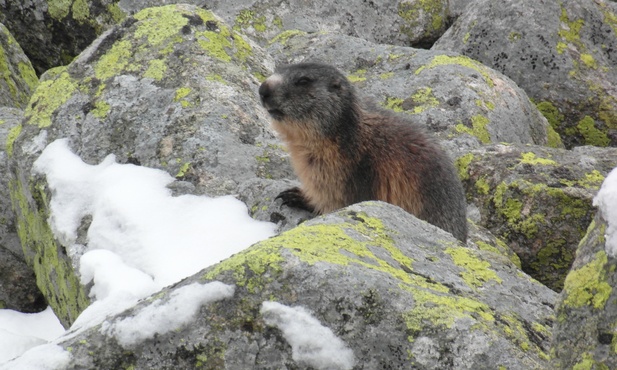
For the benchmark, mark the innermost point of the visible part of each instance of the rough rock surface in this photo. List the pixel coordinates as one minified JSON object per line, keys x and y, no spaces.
{"x":18,"y":78}
{"x":18,"y":290}
{"x":399,"y":22}
{"x":171,"y":88}
{"x":586,"y":312}
{"x":451,"y":94}
{"x":537,"y":199}
{"x":563,"y":54}
{"x":53,"y":32}
{"x":399,"y":292}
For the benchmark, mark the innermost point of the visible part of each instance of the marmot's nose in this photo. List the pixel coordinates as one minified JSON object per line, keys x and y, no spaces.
{"x":265,"y":91}
{"x":267,"y":88}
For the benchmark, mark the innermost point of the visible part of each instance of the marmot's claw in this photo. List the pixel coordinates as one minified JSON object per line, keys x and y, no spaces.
{"x":295,"y":199}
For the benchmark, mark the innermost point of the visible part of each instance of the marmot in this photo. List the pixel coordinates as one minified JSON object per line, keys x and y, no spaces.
{"x":345,"y":152}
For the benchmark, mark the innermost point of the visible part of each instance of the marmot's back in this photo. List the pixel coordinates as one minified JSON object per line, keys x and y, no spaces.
{"x":344,"y":153}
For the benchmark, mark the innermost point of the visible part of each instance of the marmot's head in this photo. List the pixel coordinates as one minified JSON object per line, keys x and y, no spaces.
{"x":309,"y":92}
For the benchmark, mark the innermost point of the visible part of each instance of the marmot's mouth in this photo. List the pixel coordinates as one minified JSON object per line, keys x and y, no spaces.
{"x":276,"y":114}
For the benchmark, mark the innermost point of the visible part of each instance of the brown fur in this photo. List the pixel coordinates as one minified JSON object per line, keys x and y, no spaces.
{"x":344,"y":153}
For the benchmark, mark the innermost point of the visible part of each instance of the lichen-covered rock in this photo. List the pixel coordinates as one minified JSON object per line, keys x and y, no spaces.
{"x":399,"y":22}
{"x":53,"y":32}
{"x":172,"y":88}
{"x":449,"y":93}
{"x":18,"y":290}
{"x":586,"y":311}
{"x":561,"y":53}
{"x":398,"y":292}
{"x":18,"y":77}
{"x":537,"y":199}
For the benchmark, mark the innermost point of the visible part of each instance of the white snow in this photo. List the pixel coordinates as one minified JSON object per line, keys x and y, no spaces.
{"x":161,"y":317}
{"x":606,"y":200}
{"x":19,"y":331}
{"x":311,"y":343}
{"x":44,"y":357}
{"x":141,"y":239}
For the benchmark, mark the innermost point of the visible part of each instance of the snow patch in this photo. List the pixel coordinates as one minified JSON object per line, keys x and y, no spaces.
{"x":606,"y":200}
{"x":311,"y":343}
{"x":160,"y":316}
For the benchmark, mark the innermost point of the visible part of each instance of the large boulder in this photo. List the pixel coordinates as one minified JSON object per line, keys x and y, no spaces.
{"x":172,"y":88}
{"x":537,"y":199}
{"x":18,"y":289}
{"x":451,"y":94}
{"x":586,"y":311}
{"x":563,"y":54}
{"x":382,"y":288}
{"x":52,"y":33}
{"x":18,"y":77}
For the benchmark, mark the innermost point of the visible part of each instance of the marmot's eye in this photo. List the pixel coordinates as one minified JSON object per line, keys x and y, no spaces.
{"x":303,"y":81}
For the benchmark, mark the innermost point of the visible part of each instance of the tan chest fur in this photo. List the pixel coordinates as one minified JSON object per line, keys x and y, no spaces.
{"x":317,"y":163}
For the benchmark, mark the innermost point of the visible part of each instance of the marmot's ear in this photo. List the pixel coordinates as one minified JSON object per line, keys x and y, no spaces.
{"x":336,"y":84}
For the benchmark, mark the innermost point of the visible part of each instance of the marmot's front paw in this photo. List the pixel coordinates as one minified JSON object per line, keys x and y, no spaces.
{"x":294,"y":198}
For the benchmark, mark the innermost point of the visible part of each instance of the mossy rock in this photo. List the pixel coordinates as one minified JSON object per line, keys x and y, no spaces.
{"x":538,"y":200}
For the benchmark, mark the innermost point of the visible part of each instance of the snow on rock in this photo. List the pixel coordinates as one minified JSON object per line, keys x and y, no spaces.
{"x":164,"y":316}
{"x":43,"y":357}
{"x":312,"y":343}
{"x":606,"y":200}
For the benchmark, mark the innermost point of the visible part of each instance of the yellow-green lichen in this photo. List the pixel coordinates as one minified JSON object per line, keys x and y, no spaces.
{"x":159,"y":24}
{"x":462,"y":164}
{"x":570,"y":30}
{"x":58,"y":9}
{"x":587,"y":285}
{"x":441,"y":60}
{"x":330,"y":243}
{"x":156,"y":69}
{"x":247,"y":18}
{"x":116,"y":13}
{"x":551,"y":113}
{"x":28,"y":74}
{"x":357,"y":76}
{"x":387,"y":75}
{"x":514,"y":36}
{"x":530,"y":158}
{"x":81,"y":11}
{"x":11,"y":137}
{"x":181,"y":93}
{"x":114,"y":61}
{"x":478,"y":128}
{"x":436,"y":310}
{"x":101,"y":109}
{"x":553,"y":138}
{"x":284,"y":36}
{"x":587,"y":362}
{"x":482,"y":186}
{"x":424,"y":99}
{"x":53,"y":270}
{"x":395,"y":104}
{"x":410,"y":12}
{"x":476,"y":272}
{"x":589,"y":61}
{"x":48,"y":97}
{"x":183,"y":169}
{"x":592,"y":135}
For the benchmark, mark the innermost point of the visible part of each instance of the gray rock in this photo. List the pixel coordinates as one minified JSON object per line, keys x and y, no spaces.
{"x":449,"y":93}
{"x":52,"y":33}
{"x":183,"y":100}
{"x":563,"y":54}
{"x":18,"y":290}
{"x":537,"y":199}
{"x":398,"y":22}
{"x":586,"y":310}
{"x":399,"y":292}
{"x":19,"y":79}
